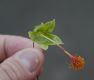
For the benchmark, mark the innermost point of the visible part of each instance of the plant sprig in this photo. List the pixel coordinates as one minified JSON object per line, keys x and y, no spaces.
{"x":42,"y":34}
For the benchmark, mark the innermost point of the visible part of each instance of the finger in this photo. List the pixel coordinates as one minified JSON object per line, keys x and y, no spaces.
{"x":23,"y":65}
{"x":11,"y":44}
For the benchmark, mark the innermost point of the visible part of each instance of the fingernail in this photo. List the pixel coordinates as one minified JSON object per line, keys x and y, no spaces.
{"x":30,"y":59}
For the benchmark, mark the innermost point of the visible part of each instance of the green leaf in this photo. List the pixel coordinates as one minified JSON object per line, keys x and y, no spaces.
{"x":36,"y":37}
{"x":45,"y":47}
{"x":45,"y":27}
{"x":42,"y":35}
{"x":45,"y":39}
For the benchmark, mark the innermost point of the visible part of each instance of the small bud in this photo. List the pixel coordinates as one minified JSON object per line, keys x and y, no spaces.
{"x":77,"y":62}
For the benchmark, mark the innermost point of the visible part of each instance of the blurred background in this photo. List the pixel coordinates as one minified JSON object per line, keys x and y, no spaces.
{"x":74,"y":24}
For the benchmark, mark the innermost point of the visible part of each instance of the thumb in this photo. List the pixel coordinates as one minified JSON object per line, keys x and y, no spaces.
{"x":24,"y":65}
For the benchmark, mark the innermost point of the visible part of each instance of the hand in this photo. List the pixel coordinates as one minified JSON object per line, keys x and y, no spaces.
{"x":19,"y":60}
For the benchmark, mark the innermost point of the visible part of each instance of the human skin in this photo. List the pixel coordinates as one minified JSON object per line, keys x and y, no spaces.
{"x":19,"y":60}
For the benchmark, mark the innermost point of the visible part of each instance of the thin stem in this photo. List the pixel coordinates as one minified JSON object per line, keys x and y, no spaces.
{"x":33,"y":44}
{"x":65,"y":51}
{"x":62,"y":48}
{"x":37,"y":77}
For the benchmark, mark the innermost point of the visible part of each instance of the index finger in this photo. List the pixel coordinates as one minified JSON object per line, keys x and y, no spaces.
{"x":11,"y":44}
